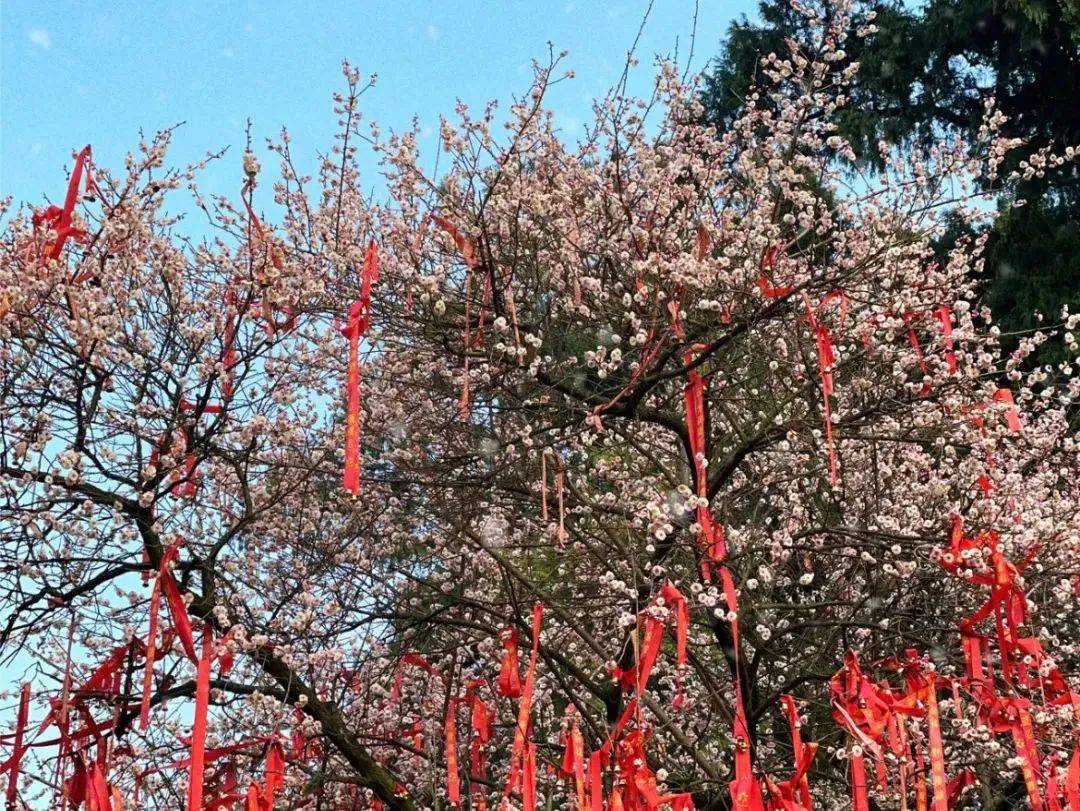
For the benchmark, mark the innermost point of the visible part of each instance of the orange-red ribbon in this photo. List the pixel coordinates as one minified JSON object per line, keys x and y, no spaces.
{"x":17,"y":747}
{"x":826,"y":362}
{"x":356,"y":327}
{"x":198,"y":731}
{"x":1012,"y":416}
{"x":509,"y":683}
{"x":944,"y":315}
{"x":60,"y":220}
{"x":523,"y":752}
{"x":764,"y":279}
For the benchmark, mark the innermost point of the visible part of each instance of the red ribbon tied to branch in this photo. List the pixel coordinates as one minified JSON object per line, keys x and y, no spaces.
{"x":61,"y":220}
{"x":768,"y":261}
{"x":522,"y":776}
{"x":826,"y":363}
{"x":509,"y":683}
{"x":356,"y":327}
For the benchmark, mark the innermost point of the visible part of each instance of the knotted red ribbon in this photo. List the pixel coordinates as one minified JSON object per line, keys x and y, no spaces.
{"x":356,"y":327}
{"x":801,"y":752}
{"x":944,"y":315}
{"x":61,"y":220}
{"x":826,"y":363}
{"x":765,"y":285}
{"x":509,"y":683}
{"x":467,"y":248}
{"x":573,"y":762}
{"x":522,"y":775}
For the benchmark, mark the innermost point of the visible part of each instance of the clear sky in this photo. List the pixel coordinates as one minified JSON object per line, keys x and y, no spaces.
{"x":98,"y":71}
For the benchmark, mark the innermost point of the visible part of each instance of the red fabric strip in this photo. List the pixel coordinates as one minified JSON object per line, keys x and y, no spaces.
{"x":509,"y":683}
{"x":151,"y":647}
{"x":453,"y":779}
{"x":198,"y":732}
{"x":1012,"y":416}
{"x":357,"y":326}
{"x":18,"y":748}
{"x":520,"y":775}
{"x":860,"y":799}
{"x":937,"y":752}
{"x":944,"y":315}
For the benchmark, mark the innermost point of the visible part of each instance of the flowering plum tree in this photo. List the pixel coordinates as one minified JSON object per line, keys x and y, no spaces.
{"x":667,"y":468}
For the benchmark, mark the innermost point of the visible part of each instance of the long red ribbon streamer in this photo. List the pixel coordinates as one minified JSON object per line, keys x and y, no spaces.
{"x":198,"y":731}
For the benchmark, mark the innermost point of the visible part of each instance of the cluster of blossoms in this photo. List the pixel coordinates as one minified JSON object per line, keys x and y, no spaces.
{"x":725,"y":412}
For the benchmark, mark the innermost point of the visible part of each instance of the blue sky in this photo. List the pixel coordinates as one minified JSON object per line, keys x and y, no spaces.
{"x":98,"y":72}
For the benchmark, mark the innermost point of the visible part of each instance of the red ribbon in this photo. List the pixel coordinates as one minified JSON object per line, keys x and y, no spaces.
{"x":1072,"y":781}
{"x":413,"y":659}
{"x":764,"y":279}
{"x":637,"y":676}
{"x":913,"y":339}
{"x":60,"y":220}
{"x":573,"y":762}
{"x":523,"y":752}
{"x":453,"y":779}
{"x":151,"y":647}
{"x":177,"y":608}
{"x":826,"y":362}
{"x":798,"y":749}
{"x":509,"y":683}
{"x":356,"y":327}
{"x":859,"y":798}
{"x":198,"y":732}
{"x":17,"y":749}
{"x":482,"y":726}
{"x":467,"y":248}
{"x":1012,"y":416}
{"x":944,"y":315}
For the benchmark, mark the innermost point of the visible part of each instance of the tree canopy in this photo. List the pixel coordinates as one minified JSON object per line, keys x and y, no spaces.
{"x":929,"y":68}
{"x":664,"y":469}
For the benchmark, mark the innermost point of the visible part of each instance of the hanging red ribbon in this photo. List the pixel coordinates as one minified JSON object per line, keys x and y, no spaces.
{"x":944,"y":315}
{"x":453,"y":779}
{"x":356,"y":327}
{"x":151,"y":648}
{"x":482,"y":727}
{"x":765,"y":284}
{"x":185,"y":480}
{"x":198,"y":731}
{"x":573,"y":762}
{"x":913,"y":339}
{"x":352,"y":414}
{"x":679,"y":607}
{"x":467,"y":248}
{"x":637,"y":676}
{"x":711,"y":535}
{"x":522,"y":775}
{"x":1072,"y":781}
{"x":17,"y":748}
{"x":509,"y":683}
{"x":413,"y":659}
{"x":1012,"y":416}
{"x":181,"y":622}
{"x":61,"y":220}
{"x":798,"y":749}
{"x":826,"y":363}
